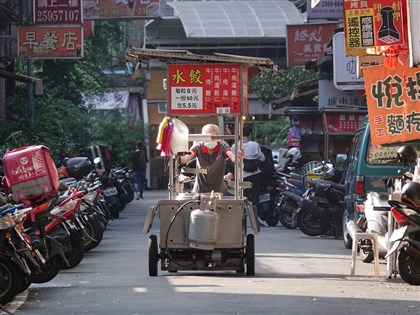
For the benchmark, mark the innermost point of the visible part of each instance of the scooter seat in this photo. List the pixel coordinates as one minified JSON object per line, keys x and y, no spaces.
{"x":295,"y":182}
{"x":296,"y":176}
{"x":327,"y":183}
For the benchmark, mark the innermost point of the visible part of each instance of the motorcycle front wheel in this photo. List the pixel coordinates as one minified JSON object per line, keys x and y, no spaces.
{"x":75,"y":250}
{"x":285,"y":215}
{"x":409,"y":268}
{"x":49,"y":270}
{"x":9,"y":284}
{"x":311,"y":225}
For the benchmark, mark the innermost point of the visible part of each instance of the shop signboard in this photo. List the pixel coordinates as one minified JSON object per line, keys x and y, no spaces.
{"x":50,"y":42}
{"x":324,"y":9}
{"x":342,"y":122}
{"x":309,"y":41}
{"x":207,"y":89}
{"x":344,"y":68}
{"x":57,"y":12}
{"x":109,"y":100}
{"x":393,"y":98}
{"x":121,"y":9}
{"x":330,"y":97}
{"x":371,"y":24}
{"x":367,"y":61}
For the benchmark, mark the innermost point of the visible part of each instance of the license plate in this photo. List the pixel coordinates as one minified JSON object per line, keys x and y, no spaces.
{"x":110,"y":192}
{"x":264,"y":198}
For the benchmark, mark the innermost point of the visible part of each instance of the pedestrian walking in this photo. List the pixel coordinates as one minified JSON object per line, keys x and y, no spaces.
{"x":139,"y":162}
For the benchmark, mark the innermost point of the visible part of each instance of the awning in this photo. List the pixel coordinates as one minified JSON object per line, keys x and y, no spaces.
{"x":237,"y":19}
{"x":39,"y":89}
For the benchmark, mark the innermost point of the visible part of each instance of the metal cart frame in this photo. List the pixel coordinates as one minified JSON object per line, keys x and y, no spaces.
{"x":233,"y":248}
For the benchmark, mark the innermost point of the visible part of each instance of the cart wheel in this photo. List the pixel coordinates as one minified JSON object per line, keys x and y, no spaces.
{"x":153,"y":256}
{"x":250,"y":255}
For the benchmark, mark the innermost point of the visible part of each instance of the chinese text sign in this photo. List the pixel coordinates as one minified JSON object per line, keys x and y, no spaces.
{"x":308,"y":41}
{"x":207,"y":89}
{"x":50,"y":42}
{"x":369,"y":24}
{"x":342,"y":122}
{"x":114,"y":9}
{"x":57,"y":12}
{"x":393,"y":97}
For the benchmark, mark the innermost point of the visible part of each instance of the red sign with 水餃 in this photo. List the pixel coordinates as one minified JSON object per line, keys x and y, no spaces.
{"x":393,"y":99}
{"x":207,"y":89}
{"x":57,"y":12}
{"x":370,"y":24}
{"x":50,"y":42}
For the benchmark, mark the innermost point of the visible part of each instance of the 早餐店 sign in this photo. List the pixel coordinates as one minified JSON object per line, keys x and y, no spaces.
{"x":207,"y":89}
{"x":393,"y":98}
{"x":369,"y":24}
{"x":57,"y":12}
{"x":50,"y":42}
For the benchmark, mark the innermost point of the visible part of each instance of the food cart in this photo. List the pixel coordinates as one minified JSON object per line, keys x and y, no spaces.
{"x":203,"y":231}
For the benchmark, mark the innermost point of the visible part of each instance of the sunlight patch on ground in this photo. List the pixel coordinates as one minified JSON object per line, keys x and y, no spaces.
{"x":140,"y":290}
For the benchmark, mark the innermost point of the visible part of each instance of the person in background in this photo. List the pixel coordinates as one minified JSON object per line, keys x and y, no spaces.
{"x":251,"y":171}
{"x":138,"y":164}
{"x":211,"y":155}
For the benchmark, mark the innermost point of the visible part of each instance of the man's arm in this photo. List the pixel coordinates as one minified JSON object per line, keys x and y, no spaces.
{"x":231,"y":155}
{"x":186,"y":158}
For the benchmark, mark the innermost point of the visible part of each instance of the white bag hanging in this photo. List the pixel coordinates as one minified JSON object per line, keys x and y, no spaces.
{"x":179,"y":140}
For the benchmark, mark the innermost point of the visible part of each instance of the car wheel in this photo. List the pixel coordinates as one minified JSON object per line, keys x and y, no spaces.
{"x":348,"y":241}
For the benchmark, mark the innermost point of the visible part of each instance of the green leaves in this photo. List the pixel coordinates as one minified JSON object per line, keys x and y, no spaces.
{"x":269,"y":86}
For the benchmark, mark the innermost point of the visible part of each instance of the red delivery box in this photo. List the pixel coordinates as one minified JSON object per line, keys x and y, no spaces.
{"x":30,"y":173}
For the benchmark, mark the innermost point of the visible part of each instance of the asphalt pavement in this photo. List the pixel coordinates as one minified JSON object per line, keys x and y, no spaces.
{"x":295,"y":274}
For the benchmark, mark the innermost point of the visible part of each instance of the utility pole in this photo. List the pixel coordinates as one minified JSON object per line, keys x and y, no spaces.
{"x":31,"y":106}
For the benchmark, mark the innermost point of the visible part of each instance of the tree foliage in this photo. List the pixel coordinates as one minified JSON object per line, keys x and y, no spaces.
{"x":61,"y":120}
{"x":119,"y":132}
{"x":270,"y":86}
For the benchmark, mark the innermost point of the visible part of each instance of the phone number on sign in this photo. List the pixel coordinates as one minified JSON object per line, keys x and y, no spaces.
{"x":47,"y":16}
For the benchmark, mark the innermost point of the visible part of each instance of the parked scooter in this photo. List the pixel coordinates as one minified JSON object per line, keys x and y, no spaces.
{"x":321,"y":208}
{"x":407,"y":237}
{"x":292,"y":190}
{"x":268,"y":194}
{"x":376,"y":209}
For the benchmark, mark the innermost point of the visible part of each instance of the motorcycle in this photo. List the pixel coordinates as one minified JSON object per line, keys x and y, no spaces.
{"x":406,"y":238}
{"x":376,"y":210}
{"x":124,"y":178}
{"x":321,"y":209}
{"x":47,"y":241}
{"x":267,"y":198}
{"x":17,"y":257}
{"x":292,"y":190}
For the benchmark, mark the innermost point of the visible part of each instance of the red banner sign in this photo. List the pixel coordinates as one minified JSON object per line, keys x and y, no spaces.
{"x":50,"y":42}
{"x":308,"y":41}
{"x":114,"y":9}
{"x":393,"y":98}
{"x":57,"y":12}
{"x":369,"y":24}
{"x":342,"y":122}
{"x":207,"y":89}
